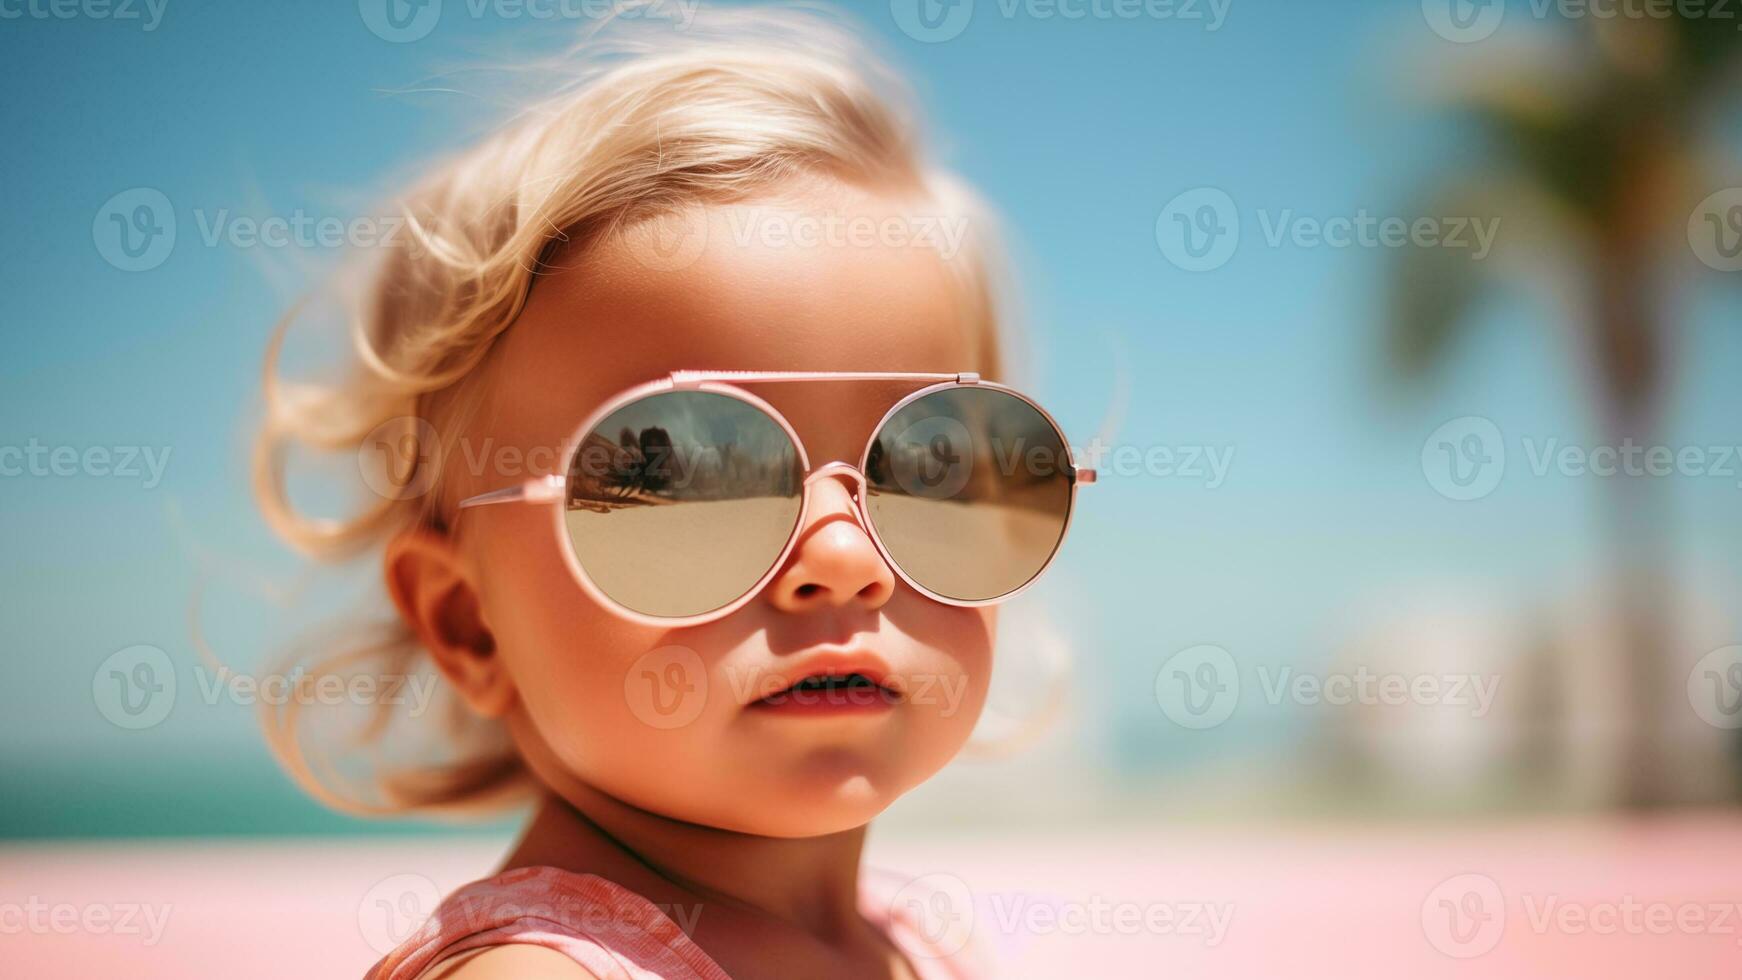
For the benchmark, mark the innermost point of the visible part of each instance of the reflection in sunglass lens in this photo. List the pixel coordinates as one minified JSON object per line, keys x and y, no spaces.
{"x":678,"y":503}
{"x":969,"y":489}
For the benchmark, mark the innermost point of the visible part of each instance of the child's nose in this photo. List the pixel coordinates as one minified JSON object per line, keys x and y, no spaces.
{"x":835,"y":563}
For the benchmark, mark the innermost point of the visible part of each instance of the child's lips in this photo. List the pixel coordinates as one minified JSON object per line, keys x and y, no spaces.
{"x":830,"y":694}
{"x":831,"y":683}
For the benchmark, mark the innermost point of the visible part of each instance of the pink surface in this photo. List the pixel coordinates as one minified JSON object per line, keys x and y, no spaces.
{"x":1550,"y":899}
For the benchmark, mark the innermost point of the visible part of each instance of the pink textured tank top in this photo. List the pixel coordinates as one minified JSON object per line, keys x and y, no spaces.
{"x":618,"y":935}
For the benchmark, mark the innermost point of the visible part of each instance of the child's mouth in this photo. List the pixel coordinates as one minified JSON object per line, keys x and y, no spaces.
{"x":831,"y":693}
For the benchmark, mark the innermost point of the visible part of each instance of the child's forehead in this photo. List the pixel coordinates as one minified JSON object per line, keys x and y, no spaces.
{"x":612,"y":317}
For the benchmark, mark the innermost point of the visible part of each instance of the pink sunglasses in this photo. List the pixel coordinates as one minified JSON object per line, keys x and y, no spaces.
{"x":683,"y":497}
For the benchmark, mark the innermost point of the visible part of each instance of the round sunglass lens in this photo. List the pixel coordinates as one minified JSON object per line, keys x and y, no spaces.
{"x":969,"y":489}
{"x":678,"y":504}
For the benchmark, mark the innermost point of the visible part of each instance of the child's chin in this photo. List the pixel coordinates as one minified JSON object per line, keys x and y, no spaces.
{"x":794,"y":826}
{"x":813,"y":810}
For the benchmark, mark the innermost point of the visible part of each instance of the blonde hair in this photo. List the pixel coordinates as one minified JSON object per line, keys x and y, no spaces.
{"x":648,"y":118}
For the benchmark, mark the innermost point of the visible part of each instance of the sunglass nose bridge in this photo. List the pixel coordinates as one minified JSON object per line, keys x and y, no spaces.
{"x":838,"y":470}
{"x":854,"y":479}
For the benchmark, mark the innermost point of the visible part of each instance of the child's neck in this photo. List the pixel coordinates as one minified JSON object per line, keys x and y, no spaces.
{"x":810,"y":882}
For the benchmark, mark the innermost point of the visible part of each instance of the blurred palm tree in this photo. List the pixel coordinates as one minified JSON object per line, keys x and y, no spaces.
{"x":1593,"y":162}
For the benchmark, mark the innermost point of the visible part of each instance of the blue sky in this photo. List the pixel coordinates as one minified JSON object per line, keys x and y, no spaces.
{"x":1079,"y":131}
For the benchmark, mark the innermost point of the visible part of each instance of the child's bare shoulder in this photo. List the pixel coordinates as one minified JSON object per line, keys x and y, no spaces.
{"x":510,"y":961}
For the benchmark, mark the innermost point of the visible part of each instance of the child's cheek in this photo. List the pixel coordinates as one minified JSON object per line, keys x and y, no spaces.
{"x":973,"y":642}
{"x":565,"y":654}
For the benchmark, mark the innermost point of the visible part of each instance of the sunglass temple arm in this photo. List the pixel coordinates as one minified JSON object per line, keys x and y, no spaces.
{"x":535,"y":490}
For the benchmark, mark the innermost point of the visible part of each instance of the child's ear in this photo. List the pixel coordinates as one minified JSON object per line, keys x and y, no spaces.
{"x":433,"y":588}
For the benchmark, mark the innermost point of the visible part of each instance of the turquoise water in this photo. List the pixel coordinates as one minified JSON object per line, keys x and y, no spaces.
{"x":173,"y":799}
